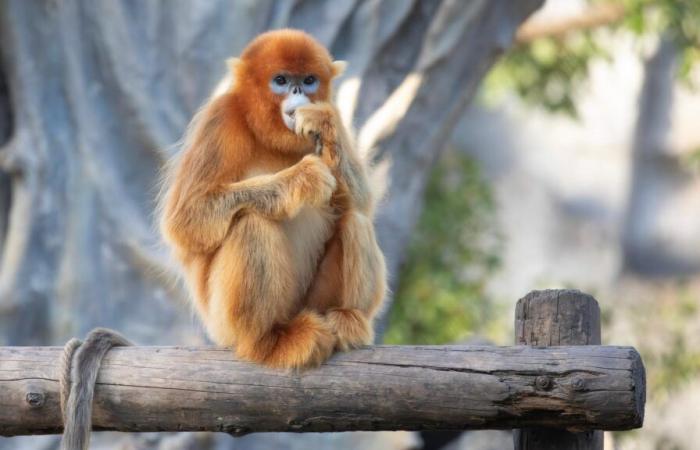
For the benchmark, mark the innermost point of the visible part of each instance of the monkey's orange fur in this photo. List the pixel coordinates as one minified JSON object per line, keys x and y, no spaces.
{"x":277,"y":244}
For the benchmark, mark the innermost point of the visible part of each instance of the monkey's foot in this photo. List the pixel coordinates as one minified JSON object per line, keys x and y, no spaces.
{"x":304,"y":342}
{"x":351,"y":327}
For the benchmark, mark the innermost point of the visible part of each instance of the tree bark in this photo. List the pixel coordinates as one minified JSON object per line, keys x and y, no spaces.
{"x":376,"y":388}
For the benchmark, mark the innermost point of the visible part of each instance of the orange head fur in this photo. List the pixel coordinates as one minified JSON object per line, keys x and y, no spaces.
{"x":281,"y":51}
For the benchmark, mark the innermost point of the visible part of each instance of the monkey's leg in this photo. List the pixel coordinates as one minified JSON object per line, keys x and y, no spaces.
{"x":351,"y":282}
{"x":255,"y":300}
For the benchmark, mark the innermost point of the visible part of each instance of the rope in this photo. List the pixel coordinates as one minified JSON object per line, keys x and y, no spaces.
{"x":65,"y":366}
{"x":80,"y":362}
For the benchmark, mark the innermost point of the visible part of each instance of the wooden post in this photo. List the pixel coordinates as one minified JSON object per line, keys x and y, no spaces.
{"x":553,"y":318}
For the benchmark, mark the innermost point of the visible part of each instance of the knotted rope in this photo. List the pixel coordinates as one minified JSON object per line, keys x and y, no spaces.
{"x":79,"y":365}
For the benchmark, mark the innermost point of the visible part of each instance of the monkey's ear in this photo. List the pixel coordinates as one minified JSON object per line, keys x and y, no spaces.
{"x":233,"y":63}
{"x":338,"y":68}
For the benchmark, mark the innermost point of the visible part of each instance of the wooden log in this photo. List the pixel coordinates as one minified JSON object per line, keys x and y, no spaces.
{"x":373,"y":388}
{"x":553,"y":318}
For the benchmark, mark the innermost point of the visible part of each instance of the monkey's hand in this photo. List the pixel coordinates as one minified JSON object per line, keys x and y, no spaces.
{"x":318,"y":121}
{"x":312,"y":182}
{"x":277,"y":196}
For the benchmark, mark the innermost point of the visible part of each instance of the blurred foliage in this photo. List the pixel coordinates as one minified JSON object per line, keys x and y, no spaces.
{"x":678,"y":360}
{"x":678,"y":20}
{"x":692,"y":161}
{"x":548,"y":71}
{"x":663,"y":324}
{"x":440,"y":297}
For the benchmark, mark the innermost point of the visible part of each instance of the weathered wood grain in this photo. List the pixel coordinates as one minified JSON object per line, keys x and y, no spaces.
{"x":374,"y":388}
{"x":553,"y":318}
{"x":557,"y":317}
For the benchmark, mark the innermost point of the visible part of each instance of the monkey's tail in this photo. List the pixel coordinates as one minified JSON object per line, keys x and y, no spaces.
{"x":80,"y":364}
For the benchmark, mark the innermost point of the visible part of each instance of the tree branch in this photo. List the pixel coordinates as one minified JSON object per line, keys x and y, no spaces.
{"x":596,"y":16}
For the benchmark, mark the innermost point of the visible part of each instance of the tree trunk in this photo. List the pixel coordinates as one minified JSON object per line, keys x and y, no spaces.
{"x":660,"y":185}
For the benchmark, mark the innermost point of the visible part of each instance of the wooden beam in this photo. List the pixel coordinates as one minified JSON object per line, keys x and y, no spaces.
{"x":374,"y":388}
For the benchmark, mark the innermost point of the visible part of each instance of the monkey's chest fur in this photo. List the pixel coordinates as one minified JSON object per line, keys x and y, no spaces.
{"x":307,"y":234}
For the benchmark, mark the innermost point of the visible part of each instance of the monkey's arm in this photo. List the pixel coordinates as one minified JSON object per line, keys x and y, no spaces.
{"x":280,"y":195}
{"x":321,"y":121}
{"x":351,"y":173}
{"x":200,"y":220}
{"x":206,"y":188}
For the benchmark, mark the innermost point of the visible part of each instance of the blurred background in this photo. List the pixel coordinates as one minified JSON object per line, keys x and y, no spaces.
{"x":523,"y":145}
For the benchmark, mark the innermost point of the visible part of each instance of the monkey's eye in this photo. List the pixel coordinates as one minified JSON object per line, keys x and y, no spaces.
{"x":280,"y":80}
{"x":309,"y":80}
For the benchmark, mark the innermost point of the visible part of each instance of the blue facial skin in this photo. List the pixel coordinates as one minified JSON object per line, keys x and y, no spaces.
{"x":296,"y":90}
{"x":285,"y":84}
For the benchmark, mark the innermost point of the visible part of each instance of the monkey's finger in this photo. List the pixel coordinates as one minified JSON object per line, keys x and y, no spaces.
{"x":319,"y":144}
{"x":330,"y":155}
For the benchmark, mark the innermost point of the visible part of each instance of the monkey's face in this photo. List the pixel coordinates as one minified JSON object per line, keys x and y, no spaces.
{"x":295,"y":89}
{"x":278,"y":72}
